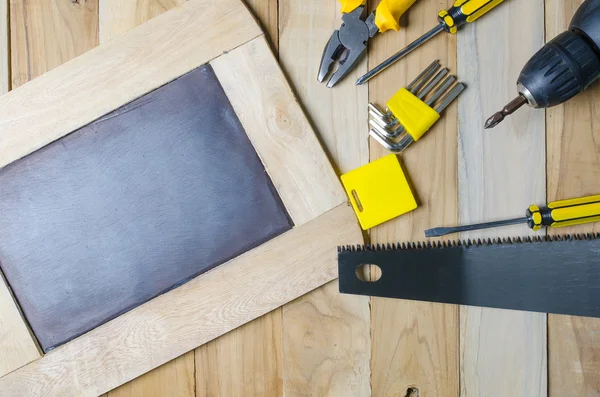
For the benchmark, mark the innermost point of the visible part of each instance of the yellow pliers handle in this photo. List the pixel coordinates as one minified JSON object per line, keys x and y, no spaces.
{"x":351,"y":5}
{"x":387,"y":14}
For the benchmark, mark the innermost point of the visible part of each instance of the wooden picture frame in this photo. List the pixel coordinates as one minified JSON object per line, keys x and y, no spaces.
{"x":225,"y":35}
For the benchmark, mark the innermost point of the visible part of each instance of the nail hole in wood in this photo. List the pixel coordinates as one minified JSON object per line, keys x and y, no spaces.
{"x":412,"y":392}
{"x":368,"y":273}
{"x":357,"y":200}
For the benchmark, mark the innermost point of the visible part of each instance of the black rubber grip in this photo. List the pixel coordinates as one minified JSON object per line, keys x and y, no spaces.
{"x":562,"y":69}
{"x":587,"y":22}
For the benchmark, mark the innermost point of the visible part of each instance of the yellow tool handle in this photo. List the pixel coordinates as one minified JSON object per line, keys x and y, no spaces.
{"x":465,"y":11}
{"x":388,"y":13}
{"x":413,"y":114}
{"x":351,"y":5}
{"x":564,"y":213}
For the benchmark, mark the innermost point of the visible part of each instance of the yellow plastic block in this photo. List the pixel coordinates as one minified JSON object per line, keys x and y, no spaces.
{"x":379,"y":191}
{"x":412,"y":113}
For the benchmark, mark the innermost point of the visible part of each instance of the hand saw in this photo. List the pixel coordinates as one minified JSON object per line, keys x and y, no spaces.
{"x":553,"y":274}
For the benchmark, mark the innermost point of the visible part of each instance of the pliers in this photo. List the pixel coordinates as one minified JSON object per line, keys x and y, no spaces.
{"x":349,"y":43}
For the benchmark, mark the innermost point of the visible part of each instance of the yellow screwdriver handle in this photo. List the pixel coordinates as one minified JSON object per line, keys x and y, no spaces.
{"x":388,"y":13}
{"x":577,"y":211}
{"x":465,"y":11}
{"x":351,"y":5}
{"x":564,"y":213}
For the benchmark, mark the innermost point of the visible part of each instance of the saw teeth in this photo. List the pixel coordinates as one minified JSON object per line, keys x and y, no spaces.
{"x":441,"y":244}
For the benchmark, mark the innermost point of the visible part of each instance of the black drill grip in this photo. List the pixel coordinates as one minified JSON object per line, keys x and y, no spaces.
{"x":587,"y":22}
{"x":566,"y":65}
{"x":560,"y":70}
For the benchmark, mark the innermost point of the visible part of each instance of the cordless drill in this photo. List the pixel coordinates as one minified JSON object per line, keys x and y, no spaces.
{"x":563,"y":68}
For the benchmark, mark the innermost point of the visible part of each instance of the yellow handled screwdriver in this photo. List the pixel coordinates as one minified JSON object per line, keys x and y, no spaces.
{"x":557,"y":214}
{"x":461,"y":13}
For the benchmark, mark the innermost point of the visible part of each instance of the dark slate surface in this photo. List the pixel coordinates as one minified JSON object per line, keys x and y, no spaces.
{"x":131,"y":206}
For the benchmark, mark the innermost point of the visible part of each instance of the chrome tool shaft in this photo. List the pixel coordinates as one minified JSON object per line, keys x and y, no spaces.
{"x":509,"y":109}
{"x":442,"y":231}
{"x":401,"y":54}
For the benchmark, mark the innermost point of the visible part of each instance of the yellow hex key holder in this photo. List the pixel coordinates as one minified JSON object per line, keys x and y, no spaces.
{"x":413,"y":110}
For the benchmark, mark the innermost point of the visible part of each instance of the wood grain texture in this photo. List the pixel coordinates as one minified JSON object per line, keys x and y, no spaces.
{"x":339,"y":115}
{"x":47,"y":33}
{"x":42,"y":37}
{"x":326,"y":344}
{"x":573,"y":150}
{"x":174,"y":379}
{"x":257,"y":372}
{"x":279,"y":131}
{"x":165,"y":188}
{"x":16,"y":342}
{"x":415,"y":344}
{"x":267,"y":13}
{"x":59,"y":102}
{"x":193,"y":314}
{"x":244,"y":362}
{"x":501,"y":172}
{"x":4,"y":48}
{"x":118,"y":16}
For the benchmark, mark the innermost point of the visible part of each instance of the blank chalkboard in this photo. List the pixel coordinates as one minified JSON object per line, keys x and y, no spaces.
{"x":131,"y":206}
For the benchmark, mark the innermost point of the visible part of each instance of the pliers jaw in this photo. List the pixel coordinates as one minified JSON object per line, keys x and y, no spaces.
{"x":346,"y":45}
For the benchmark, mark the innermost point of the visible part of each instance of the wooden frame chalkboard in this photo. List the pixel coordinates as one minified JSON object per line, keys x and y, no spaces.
{"x":224,"y":35}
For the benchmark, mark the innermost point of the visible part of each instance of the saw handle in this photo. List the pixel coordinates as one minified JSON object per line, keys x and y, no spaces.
{"x":389,"y":12}
{"x":578,"y":211}
{"x":465,"y":11}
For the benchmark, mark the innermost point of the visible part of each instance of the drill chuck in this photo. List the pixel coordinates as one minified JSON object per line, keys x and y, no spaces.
{"x":563,"y":68}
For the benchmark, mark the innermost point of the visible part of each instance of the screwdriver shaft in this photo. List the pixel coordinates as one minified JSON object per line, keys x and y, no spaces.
{"x":401,"y":54}
{"x":442,"y":231}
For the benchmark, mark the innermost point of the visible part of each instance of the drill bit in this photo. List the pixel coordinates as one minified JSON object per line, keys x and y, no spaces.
{"x":509,"y":109}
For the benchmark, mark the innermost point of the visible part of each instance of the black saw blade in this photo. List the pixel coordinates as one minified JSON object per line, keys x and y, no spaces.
{"x":551,"y":274}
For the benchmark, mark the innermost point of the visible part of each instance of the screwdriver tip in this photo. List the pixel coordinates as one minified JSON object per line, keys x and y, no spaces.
{"x":493,"y":121}
{"x":437,"y":232}
{"x":361,"y":80}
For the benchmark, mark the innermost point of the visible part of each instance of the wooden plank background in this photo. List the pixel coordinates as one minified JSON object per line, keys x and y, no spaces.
{"x":328,"y":344}
{"x":498,"y":345}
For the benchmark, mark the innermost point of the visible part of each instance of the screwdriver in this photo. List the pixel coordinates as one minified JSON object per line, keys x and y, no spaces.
{"x":563,"y":68}
{"x":461,"y":13}
{"x":557,"y":214}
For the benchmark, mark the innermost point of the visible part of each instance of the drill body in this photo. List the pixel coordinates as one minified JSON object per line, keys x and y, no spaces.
{"x":563,"y":68}
{"x":566,"y":65}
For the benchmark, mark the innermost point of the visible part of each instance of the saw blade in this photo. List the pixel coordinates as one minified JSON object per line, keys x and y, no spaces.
{"x":552,"y":274}
{"x":430,"y":244}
